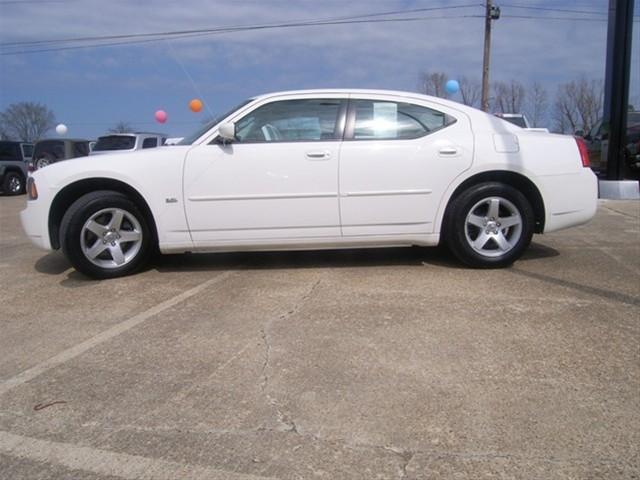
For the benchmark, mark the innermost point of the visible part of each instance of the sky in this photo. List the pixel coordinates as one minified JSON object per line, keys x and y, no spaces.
{"x":91,"y":89}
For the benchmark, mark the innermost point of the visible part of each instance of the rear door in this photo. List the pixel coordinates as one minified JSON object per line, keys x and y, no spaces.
{"x":396,"y":161}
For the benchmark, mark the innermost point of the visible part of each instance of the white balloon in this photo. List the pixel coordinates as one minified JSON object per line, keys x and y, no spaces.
{"x":61,"y":129}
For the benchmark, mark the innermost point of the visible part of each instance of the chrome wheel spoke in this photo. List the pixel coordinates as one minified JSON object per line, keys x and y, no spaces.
{"x":511,"y":221}
{"x":96,"y":228}
{"x":96,"y":249}
{"x":117,"y":254}
{"x":502,"y":242}
{"x":130,"y":236}
{"x":481,"y":240}
{"x":476,"y":220}
{"x":494,"y":208}
{"x":116,"y":220}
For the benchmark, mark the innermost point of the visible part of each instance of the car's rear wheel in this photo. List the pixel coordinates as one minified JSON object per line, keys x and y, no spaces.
{"x":104,"y":235}
{"x":489,"y":225}
{"x":13,"y":183}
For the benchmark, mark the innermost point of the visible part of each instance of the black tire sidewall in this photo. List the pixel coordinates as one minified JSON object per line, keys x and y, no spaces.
{"x":456,"y":224}
{"x":74,"y":220}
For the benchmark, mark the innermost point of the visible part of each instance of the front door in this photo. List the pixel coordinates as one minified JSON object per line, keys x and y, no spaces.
{"x":278,"y":180}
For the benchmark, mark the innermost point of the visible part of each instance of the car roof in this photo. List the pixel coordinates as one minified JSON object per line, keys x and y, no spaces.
{"x":360,"y":91}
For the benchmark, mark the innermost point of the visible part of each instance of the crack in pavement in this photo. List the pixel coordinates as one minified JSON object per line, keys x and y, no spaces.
{"x":283,"y":418}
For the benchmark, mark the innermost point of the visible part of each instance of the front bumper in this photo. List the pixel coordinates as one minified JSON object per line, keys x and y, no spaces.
{"x":35,"y":223}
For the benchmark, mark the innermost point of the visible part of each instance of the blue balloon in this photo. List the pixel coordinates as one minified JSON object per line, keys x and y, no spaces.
{"x":452,"y":87}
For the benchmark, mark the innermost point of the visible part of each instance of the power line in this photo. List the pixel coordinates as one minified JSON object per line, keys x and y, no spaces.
{"x":553,"y":9}
{"x":176,"y":36}
{"x":231,"y":27}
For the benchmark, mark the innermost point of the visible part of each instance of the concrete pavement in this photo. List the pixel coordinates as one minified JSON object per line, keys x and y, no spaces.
{"x":363,"y":364}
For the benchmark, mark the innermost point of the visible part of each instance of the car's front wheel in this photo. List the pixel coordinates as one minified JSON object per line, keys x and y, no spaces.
{"x":489,"y":225}
{"x":105,"y":235}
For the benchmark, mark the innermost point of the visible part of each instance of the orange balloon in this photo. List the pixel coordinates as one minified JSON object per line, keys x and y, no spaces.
{"x":195,"y":105}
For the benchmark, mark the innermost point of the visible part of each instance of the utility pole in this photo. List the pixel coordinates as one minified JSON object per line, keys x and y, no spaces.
{"x":492,"y":13}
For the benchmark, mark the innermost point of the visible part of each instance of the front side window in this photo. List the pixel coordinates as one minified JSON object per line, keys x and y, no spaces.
{"x":307,"y":120}
{"x":385,"y":120}
{"x":150,"y":142}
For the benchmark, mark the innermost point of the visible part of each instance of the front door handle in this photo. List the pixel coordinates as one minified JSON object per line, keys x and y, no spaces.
{"x":318,"y":155}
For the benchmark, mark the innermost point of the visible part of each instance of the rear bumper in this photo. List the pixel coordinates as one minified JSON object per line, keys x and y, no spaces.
{"x":570,"y":200}
{"x":34,"y":220}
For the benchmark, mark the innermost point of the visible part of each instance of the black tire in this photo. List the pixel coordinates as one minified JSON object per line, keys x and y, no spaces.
{"x":464,"y":239}
{"x":13,"y":184}
{"x":74,"y":235}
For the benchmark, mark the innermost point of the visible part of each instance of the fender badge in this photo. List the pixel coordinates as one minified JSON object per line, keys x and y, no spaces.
{"x":171,"y":200}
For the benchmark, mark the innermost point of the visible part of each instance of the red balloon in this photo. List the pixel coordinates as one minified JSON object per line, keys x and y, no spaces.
{"x":161,"y":116}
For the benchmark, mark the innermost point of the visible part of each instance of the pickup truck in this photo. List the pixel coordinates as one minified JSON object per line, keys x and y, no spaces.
{"x":14,"y":158}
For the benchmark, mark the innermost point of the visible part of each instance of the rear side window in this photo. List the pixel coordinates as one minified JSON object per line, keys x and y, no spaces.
{"x":52,"y":149}
{"x":304,"y":120}
{"x":384,"y":120}
{"x":114,"y":142}
{"x":150,"y":142}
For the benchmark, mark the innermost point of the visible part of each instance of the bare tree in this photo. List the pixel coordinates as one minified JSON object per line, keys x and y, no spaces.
{"x":26,"y":121}
{"x":508,"y":97}
{"x":470,"y":90}
{"x":578,"y":105}
{"x":433,"y":84}
{"x":121,"y":127}
{"x":537,"y":104}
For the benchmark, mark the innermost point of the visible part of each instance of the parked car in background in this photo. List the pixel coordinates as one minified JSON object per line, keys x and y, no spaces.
{"x":46,"y":152}
{"x":597,"y":136}
{"x":319,"y":169}
{"x":13,"y":166}
{"x":127,"y":142}
{"x":518,"y":119}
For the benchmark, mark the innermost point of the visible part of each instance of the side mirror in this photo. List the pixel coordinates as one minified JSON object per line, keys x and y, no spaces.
{"x":227,"y":131}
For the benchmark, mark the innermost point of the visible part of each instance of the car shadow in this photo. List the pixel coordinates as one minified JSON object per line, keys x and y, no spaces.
{"x":344,"y":258}
{"x":55,"y":263}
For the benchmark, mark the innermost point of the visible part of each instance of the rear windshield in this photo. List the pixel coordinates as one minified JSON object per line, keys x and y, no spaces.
{"x":519,"y":121}
{"x":9,"y":151}
{"x":49,"y":148}
{"x":114,"y":142}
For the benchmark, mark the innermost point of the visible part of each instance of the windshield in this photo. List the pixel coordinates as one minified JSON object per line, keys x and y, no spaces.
{"x":189,"y":139}
{"x":114,"y":142}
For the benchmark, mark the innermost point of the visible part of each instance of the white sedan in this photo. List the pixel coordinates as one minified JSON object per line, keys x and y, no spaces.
{"x":318,"y":169}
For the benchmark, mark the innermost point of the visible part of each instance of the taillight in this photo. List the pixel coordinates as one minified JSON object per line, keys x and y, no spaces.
{"x":584,"y":152}
{"x":32,"y":191}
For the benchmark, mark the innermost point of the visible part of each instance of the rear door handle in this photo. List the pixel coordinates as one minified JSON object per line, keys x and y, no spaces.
{"x":318,"y":155}
{"x":448,"y":151}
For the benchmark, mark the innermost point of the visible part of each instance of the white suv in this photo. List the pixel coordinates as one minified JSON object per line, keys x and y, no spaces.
{"x":127,"y":142}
